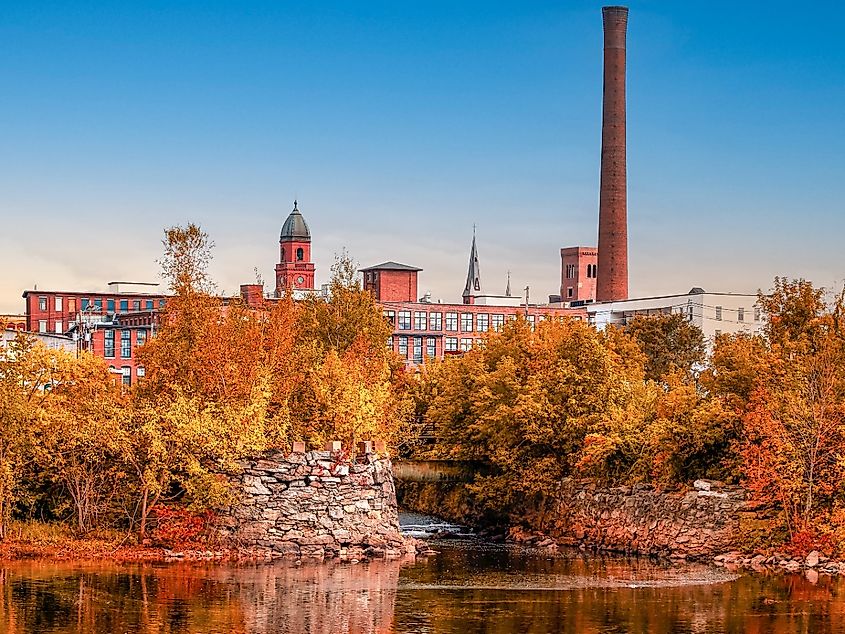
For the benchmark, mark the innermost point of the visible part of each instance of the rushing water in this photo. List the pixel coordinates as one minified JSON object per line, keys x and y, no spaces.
{"x":468,"y":587}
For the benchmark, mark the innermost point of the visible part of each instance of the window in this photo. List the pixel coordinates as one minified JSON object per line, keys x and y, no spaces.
{"x":569,"y":291}
{"x":511,"y":317}
{"x":530,"y":319}
{"x":756,"y":313}
{"x":71,"y":304}
{"x":435,"y":321}
{"x":110,"y":305}
{"x":85,"y":303}
{"x":42,"y":303}
{"x":126,"y":371}
{"x":390,"y":315}
{"x":149,"y":304}
{"x":740,"y":314}
{"x":161,"y":303}
{"x":124,"y":305}
{"x":136,"y":304}
{"x":452,"y":322}
{"x":140,"y":371}
{"x":108,"y":344}
{"x":390,"y":343}
{"x":42,"y":325}
{"x":591,"y":270}
{"x":450,"y":344}
{"x":420,"y":320}
{"x":498,"y":322}
{"x":300,"y":254}
{"x":125,"y":344}
{"x":483,"y":322}
{"x":141,"y":337}
{"x":98,"y":305}
{"x":570,"y":271}
{"x":466,"y":344}
{"x":718,"y":313}
{"x":418,"y":356}
{"x":57,"y":304}
{"x":58,"y":327}
{"x":404,"y":320}
{"x":403,"y":347}
{"x":430,"y":347}
{"x":466,"y":322}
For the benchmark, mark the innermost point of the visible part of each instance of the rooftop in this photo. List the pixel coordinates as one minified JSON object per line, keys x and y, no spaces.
{"x":391,"y":266}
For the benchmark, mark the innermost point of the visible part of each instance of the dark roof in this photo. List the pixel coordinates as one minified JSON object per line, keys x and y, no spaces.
{"x":391,"y":266}
{"x":295,"y":227}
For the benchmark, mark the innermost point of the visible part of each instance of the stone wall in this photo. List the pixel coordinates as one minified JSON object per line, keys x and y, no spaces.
{"x":315,"y":503}
{"x":706,"y":520}
{"x":695,"y":523}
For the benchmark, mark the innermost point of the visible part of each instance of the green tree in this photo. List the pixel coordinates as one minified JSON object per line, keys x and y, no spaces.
{"x":670,"y":342}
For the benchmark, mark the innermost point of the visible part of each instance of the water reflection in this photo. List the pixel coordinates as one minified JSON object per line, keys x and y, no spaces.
{"x":468,"y":588}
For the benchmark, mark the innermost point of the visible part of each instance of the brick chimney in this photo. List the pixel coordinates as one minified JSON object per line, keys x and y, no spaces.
{"x":612,"y":280}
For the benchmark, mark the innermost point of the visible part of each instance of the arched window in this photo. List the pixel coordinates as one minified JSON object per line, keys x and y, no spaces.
{"x":283,"y":254}
{"x":300,"y":254}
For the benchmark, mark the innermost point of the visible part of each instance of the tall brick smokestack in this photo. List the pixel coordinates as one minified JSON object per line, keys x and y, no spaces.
{"x":612,"y":278}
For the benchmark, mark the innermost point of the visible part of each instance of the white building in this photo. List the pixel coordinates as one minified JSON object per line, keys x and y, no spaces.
{"x":713,"y":313}
{"x":51,"y":341}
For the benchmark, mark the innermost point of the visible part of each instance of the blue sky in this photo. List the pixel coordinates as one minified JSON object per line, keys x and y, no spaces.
{"x":398,"y":125}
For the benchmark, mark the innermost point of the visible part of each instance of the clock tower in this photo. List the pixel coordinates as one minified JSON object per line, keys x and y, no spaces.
{"x":295,"y":269}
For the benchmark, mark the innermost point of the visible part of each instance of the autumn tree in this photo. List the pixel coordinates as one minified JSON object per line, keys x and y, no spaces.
{"x":524,"y":402}
{"x":84,"y":441}
{"x":351,"y":376}
{"x":795,"y":419}
{"x":26,"y":373}
{"x":670,"y":343}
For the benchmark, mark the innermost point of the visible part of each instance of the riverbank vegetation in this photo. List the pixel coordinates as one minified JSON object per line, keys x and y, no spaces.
{"x":223,"y":380}
{"x":647,"y":402}
{"x":644,"y":404}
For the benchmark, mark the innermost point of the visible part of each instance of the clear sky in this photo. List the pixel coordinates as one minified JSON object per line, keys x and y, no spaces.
{"x":398,"y":125}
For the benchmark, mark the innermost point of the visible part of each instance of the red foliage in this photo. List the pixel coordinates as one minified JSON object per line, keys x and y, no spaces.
{"x":808,"y":540}
{"x":180,"y":528}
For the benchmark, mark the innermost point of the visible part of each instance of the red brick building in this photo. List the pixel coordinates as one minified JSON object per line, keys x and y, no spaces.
{"x":392,"y":281}
{"x":424,"y":330}
{"x":58,"y":311}
{"x":578,"y":271}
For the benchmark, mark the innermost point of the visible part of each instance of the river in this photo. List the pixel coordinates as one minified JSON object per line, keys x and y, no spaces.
{"x":469,"y":587}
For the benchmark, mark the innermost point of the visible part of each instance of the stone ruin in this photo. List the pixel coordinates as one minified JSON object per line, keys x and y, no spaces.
{"x":315,"y":504}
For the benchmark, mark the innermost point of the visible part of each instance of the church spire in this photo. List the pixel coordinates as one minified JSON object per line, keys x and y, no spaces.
{"x":473,"y":285}
{"x":508,"y":287}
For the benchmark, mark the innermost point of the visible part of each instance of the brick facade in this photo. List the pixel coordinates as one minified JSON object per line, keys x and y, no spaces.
{"x":578,"y":269}
{"x":612,"y":282}
{"x":58,"y":311}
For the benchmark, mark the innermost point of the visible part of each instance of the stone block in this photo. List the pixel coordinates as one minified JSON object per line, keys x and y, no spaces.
{"x":334,"y":446}
{"x":299,"y":447}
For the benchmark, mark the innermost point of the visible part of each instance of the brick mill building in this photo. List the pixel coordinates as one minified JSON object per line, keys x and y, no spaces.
{"x":111,"y":324}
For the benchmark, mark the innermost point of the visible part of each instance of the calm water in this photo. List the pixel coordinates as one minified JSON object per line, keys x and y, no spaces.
{"x":469,"y":587}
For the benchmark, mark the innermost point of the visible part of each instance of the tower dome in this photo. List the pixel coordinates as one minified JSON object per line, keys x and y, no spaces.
{"x":295,"y":227}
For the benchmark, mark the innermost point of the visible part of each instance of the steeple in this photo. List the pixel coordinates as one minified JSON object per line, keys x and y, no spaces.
{"x":473,"y":285}
{"x":508,"y":287}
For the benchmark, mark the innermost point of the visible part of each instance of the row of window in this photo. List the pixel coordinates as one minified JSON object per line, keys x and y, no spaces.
{"x":468,"y":322}
{"x":571,"y":271}
{"x":740,"y":313}
{"x":58,"y":326}
{"x":126,"y":373}
{"x":125,"y":342}
{"x":416,"y":346}
{"x":96,"y":304}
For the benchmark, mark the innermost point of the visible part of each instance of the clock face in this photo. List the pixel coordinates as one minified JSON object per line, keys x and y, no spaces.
{"x":300,"y":280}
